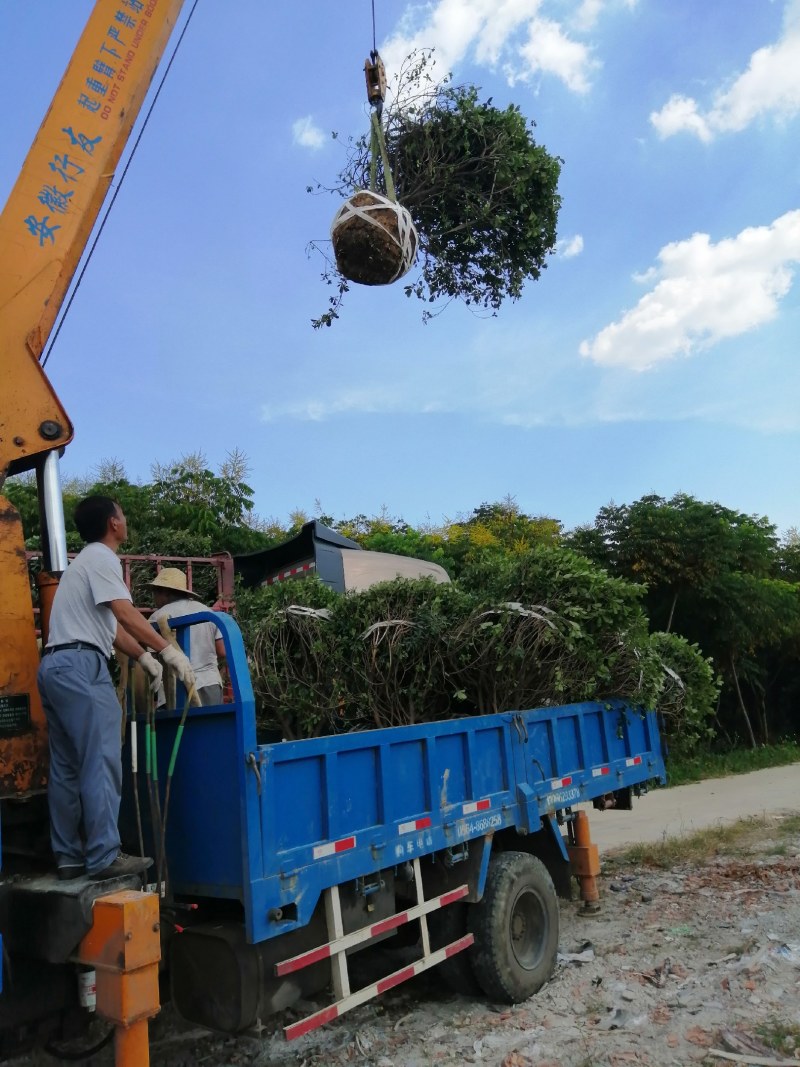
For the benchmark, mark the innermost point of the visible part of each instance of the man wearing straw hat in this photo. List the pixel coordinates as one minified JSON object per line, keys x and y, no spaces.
{"x":173,"y":600}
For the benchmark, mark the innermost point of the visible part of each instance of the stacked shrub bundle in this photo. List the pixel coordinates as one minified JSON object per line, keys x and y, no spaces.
{"x":542,"y":628}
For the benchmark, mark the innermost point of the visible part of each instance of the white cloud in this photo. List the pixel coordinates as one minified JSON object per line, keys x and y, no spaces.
{"x":770,"y":85}
{"x":548,"y":50}
{"x":703,"y":293}
{"x":306,"y":133}
{"x":680,"y":114}
{"x":513,"y":35}
{"x":570,"y":247}
{"x":369,"y":400}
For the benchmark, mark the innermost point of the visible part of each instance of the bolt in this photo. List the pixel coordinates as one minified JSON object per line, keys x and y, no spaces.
{"x":50,"y":430}
{"x":129,"y":936}
{"x":19,"y":441}
{"x":156,"y":927}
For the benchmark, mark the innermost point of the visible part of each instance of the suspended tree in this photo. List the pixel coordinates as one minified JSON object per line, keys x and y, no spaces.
{"x":481,"y":192}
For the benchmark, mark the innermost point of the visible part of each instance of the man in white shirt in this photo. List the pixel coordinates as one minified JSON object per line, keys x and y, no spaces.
{"x":206,"y":648}
{"x":92,"y":611}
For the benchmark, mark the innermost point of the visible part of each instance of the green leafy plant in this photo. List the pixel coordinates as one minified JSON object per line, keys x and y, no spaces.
{"x":482,"y":193}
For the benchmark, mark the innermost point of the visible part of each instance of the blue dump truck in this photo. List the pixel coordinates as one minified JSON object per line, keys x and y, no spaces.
{"x":284,"y":859}
{"x":275,"y":863}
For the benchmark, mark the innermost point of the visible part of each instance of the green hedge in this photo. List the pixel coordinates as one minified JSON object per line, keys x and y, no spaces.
{"x":546,"y":627}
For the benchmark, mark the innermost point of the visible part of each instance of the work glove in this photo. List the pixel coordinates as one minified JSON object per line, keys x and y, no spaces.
{"x":153,"y":669}
{"x":179,"y":664}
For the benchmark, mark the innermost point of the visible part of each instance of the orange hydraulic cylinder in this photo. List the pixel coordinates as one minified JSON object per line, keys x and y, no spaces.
{"x":132,"y":1045}
{"x":124,"y":947}
{"x":585,"y":862}
{"x":46,"y":584}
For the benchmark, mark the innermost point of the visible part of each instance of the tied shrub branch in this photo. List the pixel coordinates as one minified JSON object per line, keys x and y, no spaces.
{"x":544,"y":628}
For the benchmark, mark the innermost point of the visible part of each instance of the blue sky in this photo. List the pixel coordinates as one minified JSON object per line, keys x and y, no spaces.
{"x":657,"y":353}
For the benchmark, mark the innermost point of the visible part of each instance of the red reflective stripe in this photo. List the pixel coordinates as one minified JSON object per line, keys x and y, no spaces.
{"x":327,"y":1015}
{"x":281,"y":576}
{"x":460,"y":945}
{"x":299,"y":962}
{"x":396,"y":979}
{"x":389,"y":924}
{"x":484,"y":804}
{"x":330,"y":848}
{"x":453,"y":895}
{"x":413,"y":824}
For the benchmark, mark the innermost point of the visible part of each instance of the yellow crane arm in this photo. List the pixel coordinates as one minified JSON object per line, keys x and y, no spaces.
{"x":44,"y":229}
{"x":50,"y":213}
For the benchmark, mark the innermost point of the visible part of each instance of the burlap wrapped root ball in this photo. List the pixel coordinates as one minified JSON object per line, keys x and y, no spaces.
{"x":374,"y":239}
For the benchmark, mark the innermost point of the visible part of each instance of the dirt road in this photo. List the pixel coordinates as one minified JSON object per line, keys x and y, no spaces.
{"x":686,"y":808}
{"x":682,"y":964}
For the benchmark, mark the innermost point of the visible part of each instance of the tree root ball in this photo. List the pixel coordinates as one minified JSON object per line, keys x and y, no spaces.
{"x":374,"y":239}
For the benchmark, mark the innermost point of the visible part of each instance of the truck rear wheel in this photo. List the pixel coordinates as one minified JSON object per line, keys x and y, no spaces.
{"x":515,"y":927}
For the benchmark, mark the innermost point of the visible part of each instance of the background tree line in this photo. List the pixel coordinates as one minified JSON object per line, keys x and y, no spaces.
{"x":721,"y":579}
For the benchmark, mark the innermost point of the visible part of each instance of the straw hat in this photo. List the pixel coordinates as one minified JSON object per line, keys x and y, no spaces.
{"x":174,"y":580}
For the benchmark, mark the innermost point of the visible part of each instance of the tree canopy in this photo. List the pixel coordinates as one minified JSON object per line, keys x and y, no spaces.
{"x":705,"y":577}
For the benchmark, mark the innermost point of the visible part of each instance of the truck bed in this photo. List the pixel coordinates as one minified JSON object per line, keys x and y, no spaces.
{"x":284,"y":821}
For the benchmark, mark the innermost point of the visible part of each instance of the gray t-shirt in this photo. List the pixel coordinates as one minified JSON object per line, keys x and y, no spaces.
{"x":80,"y":608}
{"x":202,"y":650}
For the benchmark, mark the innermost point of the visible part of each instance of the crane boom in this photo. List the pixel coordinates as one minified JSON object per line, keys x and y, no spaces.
{"x":54,"y":204}
{"x":44,"y":229}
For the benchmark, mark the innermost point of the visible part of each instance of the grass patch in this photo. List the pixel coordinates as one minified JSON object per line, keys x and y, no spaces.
{"x":789,"y":826}
{"x":684,"y":769}
{"x":730,"y":839}
{"x":782,"y":1037}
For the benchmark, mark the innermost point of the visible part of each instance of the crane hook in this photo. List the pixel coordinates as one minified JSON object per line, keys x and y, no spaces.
{"x":375,"y":74}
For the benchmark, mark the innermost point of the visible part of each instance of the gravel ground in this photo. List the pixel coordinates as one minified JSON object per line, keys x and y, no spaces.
{"x":680,"y":966}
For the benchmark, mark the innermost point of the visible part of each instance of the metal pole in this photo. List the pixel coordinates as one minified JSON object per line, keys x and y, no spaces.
{"x":53,"y":505}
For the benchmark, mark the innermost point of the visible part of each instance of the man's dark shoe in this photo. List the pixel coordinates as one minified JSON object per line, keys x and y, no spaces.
{"x":122,"y":867}
{"x":70,"y":871}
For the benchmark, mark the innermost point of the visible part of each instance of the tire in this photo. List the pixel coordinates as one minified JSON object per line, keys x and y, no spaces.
{"x":515,"y":927}
{"x":446,"y":925}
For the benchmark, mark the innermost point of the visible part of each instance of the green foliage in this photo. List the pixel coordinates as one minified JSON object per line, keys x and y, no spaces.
{"x":543,"y":627}
{"x":680,"y":547}
{"x":24,"y":496}
{"x":481,"y":191}
{"x":395,"y":642}
{"x":788,"y":561}
{"x":710,"y":575}
{"x":186,"y":510}
{"x":688,"y":692}
{"x":510,"y":656}
{"x":190,"y":497}
{"x":293,"y":656}
{"x":715,"y":579}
